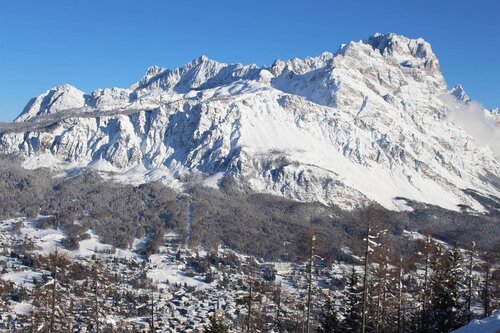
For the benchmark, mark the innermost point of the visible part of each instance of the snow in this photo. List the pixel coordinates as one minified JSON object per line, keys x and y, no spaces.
{"x":459,"y":93}
{"x":342,"y":128}
{"x":173,"y":275}
{"x":213,"y":181}
{"x":161,"y":271}
{"x":52,"y":101}
{"x":138,"y":175}
{"x":24,"y":277}
{"x":46,"y":240}
{"x":45,"y":159}
{"x":22,"y":308}
{"x":486,"y":325}
{"x":90,"y":246}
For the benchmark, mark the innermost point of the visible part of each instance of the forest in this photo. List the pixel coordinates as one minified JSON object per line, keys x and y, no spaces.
{"x":231,"y":216}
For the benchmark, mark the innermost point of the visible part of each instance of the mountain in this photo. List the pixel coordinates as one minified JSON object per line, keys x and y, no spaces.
{"x":460,"y":94}
{"x":52,"y":101}
{"x":368,"y":122}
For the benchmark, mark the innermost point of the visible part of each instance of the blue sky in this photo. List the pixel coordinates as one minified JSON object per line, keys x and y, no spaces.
{"x":96,"y":44}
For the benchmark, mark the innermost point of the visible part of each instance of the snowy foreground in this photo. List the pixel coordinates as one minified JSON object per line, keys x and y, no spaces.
{"x":486,"y":325}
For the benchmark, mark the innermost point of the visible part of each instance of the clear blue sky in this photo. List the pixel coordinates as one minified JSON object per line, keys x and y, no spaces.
{"x":96,"y":44}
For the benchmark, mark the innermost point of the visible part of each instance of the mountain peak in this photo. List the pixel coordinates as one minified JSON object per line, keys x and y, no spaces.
{"x":409,"y":52}
{"x":65,"y":87}
{"x":53,"y":100}
{"x":459,"y":92}
{"x":151,"y":72}
{"x":154,"y":70}
{"x":200,"y":59}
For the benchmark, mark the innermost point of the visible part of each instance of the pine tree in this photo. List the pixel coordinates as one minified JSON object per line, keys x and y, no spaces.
{"x":38,"y":312}
{"x":400,"y":315}
{"x":425,"y":294}
{"x":381,"y":282}
{"x":373,"y":220}
{"x":437,"y":311}
{"x":251,"y":294}
{"x":470,"y":279}
{"x":98,"y":286}
{"x":353,"y":299}
{"x":309,"y":284}
{"x":446,"y":310}
{"x":364,"y":300}
{"x":328,"y":320}
{"x":486,"y":290}
{"x":152,"y":313}
{"x":455,"y":287}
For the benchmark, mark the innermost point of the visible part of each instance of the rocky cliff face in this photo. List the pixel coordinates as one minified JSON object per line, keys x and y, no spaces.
{"x":368,"y":122}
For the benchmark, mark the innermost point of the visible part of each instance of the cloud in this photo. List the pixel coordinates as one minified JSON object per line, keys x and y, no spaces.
{"x":472,"y":117}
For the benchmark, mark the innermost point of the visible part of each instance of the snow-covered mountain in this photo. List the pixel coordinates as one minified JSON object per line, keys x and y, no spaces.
{"x":459,"y":92}
{"x":368,"y":122}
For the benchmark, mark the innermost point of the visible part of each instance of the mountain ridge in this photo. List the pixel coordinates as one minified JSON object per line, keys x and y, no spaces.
{"x":365,"y":123}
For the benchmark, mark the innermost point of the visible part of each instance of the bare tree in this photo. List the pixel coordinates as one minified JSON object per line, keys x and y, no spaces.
{"x":309,"y":284}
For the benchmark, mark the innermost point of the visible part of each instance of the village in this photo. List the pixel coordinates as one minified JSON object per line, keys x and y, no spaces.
{"x":95,"y":287}
{"x":175,"y":290}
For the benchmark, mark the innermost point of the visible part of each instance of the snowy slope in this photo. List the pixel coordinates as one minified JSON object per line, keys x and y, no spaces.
{"x":368,"y":122}
{"x":486,"y":325}
{"x":52,"y":101}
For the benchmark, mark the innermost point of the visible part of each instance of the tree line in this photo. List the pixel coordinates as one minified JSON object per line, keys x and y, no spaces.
{"x":437,"y":288}
{"x":232,"y":216}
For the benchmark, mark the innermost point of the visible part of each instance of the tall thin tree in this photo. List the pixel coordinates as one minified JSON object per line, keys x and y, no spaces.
{"x":470,"y":281}
{"x":309,"y":285}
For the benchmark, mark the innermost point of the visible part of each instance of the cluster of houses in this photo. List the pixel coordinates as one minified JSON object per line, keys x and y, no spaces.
{"x":164,"y":293}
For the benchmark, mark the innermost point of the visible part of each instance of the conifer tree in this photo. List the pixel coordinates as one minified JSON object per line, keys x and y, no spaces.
{"x":486,"y":290}
{"x":427,"y":249}
{"x":446,"y":310}
{"x":309,"y":284}
{"x":251,"y":294}
{"x":328,"y":320}
{"x":437,"y":311}
{"x":381,"y":283}
{"x":455,"y":285}
{"x":38,"y":312}
{"x":470,"y":280}
{"x":353,"y":299}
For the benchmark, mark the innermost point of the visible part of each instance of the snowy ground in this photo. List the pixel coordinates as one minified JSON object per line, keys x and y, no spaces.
{"x":46,"y":240}
{"x":485,"y":325}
